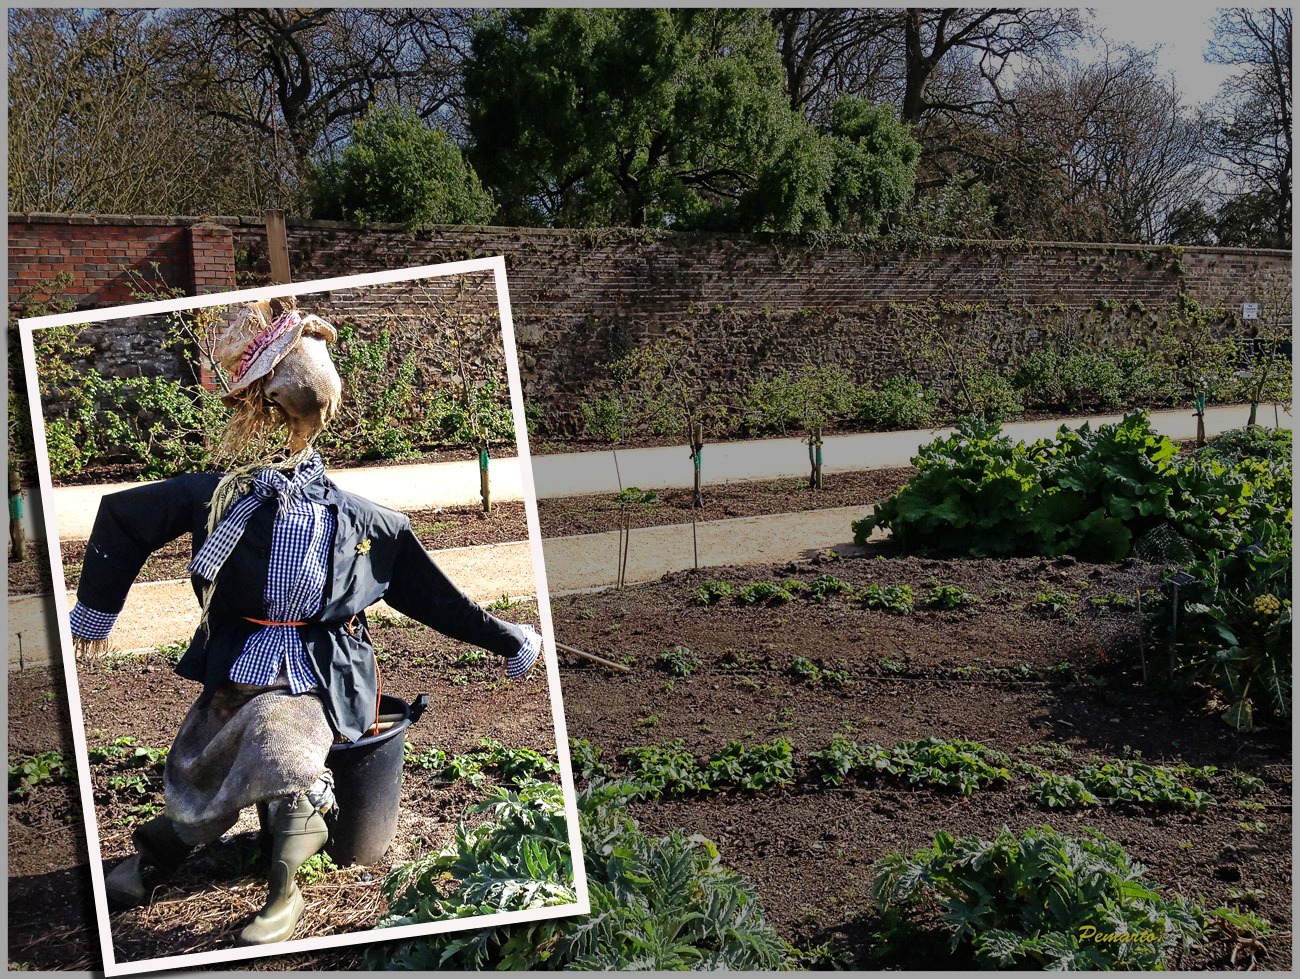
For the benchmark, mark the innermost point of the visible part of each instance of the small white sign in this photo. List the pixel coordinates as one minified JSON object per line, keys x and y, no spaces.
{"x":1250,"y":311}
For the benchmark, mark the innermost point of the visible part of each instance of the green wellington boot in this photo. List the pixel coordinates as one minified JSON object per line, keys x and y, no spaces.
{"x":299,"y":832}
{"x":157,"y":848}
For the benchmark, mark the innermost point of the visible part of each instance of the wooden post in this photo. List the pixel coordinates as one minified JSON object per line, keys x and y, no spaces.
{"x":1173,"y":642}
{"x":277,"y":247}
{"x":17,"y":536}
{"x":619,"y":561}
{"x":626,"y":518}
{"x":1142,"y":648}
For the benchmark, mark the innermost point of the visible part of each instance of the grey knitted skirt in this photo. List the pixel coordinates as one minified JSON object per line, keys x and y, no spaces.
{"x":250,"y":744}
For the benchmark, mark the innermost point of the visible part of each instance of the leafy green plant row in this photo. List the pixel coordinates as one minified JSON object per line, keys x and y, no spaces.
{"x":1086,"y":493}
{"x":681,"y":661}
{"x":26,"y":772}
{"x":520,"y":766}
{"x":654,"y":771}
{"x":1119,"y":781}
{"x":128,"y":751}
{"x":889,"y":598}
{"x":963,"y":766}
{"x":671,"y":770}
{"x":656,"y":903}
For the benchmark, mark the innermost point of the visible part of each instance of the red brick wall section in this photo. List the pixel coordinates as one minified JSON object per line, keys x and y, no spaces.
{"x":212,"y":264}
{"x":100,"y":253}
{"x":212,"y":257}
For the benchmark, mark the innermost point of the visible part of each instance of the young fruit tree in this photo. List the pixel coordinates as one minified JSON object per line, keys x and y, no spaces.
{"x":474,"y":407}
{"x":1268,"y":372}
{"x":664,"y":380}
{"x":629,"y":501}
{"x":611,"y":418}
{"x":811,"y":399}
{"x":1205,"y":358}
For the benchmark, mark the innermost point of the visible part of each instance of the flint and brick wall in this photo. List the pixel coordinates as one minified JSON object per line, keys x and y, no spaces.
{"x":750,"y":304}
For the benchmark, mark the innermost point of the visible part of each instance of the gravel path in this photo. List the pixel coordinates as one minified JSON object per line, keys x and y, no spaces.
{"x":593,"y":472}
{"x":588,"y":562}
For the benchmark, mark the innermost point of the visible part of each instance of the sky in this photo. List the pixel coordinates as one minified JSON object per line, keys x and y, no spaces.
{"x":1182,"y":31}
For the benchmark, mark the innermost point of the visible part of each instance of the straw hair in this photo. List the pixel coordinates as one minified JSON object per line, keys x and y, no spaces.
{"x":254,"y":419}
{"x":251,"y":429}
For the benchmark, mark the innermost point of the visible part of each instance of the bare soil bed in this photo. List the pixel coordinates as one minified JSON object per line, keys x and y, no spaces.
{"x":203,"y":908}
{"x":31,"y":576}
{"x":982,"y":675}
{"x":569,"y":515}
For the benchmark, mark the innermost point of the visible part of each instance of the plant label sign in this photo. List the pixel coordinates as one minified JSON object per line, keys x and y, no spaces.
{"x":1250,"y":311}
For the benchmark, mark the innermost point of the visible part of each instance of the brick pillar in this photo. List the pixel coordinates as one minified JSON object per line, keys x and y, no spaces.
{"x":212,"y":259}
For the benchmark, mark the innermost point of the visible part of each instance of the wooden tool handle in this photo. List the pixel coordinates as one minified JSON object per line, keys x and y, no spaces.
{"x":594,"y":659}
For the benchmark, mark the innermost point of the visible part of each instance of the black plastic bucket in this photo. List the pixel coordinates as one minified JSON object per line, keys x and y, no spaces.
{"x":368,"y":786}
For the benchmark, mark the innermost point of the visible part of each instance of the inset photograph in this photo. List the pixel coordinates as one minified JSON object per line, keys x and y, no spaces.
{"x":305,"y":624}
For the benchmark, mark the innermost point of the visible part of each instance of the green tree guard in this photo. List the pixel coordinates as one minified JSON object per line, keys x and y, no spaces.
{"x":815,"y":457}
{"x":17,"y":536}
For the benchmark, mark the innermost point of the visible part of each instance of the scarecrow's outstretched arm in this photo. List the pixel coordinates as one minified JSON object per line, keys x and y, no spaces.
{"x":131,"y":525}
{"x":422,"y":590}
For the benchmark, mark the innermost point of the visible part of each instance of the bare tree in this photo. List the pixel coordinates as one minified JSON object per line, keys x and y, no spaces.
{"x":828,"y":52}
{"x":981,"y":43}
{"x":1253,"y":134}
{"x":929,"y":61}
{"x":300,"y":76}
{"x":1121,"y":152}
{"x":96,"y":123}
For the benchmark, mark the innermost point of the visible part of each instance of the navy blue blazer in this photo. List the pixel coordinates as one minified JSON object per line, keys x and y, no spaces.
{"x":394,"y":566}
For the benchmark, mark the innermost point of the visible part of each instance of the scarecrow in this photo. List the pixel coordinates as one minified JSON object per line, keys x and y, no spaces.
{"x":284,"y":566}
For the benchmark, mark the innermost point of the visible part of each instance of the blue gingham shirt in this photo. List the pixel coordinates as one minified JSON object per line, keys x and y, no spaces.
{"x":295,"y":581}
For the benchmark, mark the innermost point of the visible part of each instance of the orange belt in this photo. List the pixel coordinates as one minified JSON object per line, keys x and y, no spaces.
{"x":351,"y":627}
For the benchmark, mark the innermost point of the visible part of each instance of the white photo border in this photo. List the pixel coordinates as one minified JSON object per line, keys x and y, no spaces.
{"x":496,"y":265}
